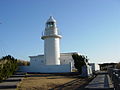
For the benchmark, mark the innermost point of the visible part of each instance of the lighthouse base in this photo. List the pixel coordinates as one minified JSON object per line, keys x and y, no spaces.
{"x":47,"y":68}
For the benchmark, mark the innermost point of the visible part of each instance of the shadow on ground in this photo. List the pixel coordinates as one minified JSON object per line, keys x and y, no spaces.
{"x":8,"y":87}
{"x":77,"y":84}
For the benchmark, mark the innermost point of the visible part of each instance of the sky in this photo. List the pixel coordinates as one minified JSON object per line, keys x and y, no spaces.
{"x":90,"y":27}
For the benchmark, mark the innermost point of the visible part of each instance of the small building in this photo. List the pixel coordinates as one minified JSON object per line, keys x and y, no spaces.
{"x":95,"y":67}
{"x":65,"y":58}
{"x":105,"y":66}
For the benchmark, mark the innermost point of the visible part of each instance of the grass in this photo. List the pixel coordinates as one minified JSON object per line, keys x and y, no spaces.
{"x":51,"y":81}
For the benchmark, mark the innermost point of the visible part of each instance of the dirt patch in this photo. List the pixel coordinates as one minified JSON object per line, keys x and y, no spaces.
{"x":52,"y":81}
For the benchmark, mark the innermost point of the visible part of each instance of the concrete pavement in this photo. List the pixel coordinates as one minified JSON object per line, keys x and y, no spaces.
{"x":101,"y":82}
{"x":11,"y":82}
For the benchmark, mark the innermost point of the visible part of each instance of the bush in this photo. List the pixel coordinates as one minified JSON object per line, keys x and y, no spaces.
{"x":8,"y":65}
{"x":23,"y":63}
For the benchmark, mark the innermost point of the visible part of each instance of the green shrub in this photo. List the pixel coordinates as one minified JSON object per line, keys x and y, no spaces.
{"x":79,"y":61}
{"x":8,"y":65}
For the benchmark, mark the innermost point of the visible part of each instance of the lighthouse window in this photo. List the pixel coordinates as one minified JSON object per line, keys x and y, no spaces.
{"x":50,"y":24}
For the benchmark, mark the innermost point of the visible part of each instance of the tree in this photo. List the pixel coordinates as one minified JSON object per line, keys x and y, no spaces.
{"x":79,"y":61}
{"x":23,"y":63}
{"x":8,"y":57}
{"x":8,"y":66}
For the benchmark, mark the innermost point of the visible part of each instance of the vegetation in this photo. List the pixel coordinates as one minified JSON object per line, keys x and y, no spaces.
{"x":8,"y":65}
{"x":23,"y":63}
{"x":118,"y":65}
{"x":79,"y":61}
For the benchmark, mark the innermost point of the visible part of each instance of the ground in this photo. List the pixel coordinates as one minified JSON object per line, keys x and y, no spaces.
{"x":52,"y":81}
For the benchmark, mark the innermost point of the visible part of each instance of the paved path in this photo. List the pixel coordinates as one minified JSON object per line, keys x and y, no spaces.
{"x":11,"y":82}
{"x":101,"y":82}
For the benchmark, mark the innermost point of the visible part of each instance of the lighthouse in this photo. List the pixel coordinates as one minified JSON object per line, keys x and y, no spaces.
{"x":52,"y":61}
{"x":51,"y":39}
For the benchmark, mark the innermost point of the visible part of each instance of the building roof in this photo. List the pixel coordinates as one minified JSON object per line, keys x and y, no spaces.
{"x":70,"y":53}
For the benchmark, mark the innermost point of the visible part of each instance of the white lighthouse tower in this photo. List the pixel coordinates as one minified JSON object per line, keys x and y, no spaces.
{"x":50,"y":61}
{"x":51,"y":39}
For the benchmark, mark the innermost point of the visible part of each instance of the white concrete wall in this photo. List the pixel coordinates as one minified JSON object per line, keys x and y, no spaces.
{"x":47,"y":68}
{"x":37,"y":60}
{"x":86,"y":71}
{"x":66,"y":58}
{"x":95,"y":67}
{"x":52,"y":51}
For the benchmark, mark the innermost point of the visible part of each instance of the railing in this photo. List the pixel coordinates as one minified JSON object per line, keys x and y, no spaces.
{"x":58,"y":33}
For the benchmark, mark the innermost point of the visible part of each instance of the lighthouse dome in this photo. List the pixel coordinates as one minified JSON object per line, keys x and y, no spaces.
{"x":51,"y":19}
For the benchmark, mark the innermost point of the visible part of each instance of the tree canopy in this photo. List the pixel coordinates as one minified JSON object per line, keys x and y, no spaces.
{"x":79,"y":61}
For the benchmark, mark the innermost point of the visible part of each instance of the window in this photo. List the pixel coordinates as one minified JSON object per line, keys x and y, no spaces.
{"x":50,"y":24}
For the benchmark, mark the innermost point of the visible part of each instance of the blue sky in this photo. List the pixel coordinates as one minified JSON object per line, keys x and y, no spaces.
{"x":90,"y":27}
